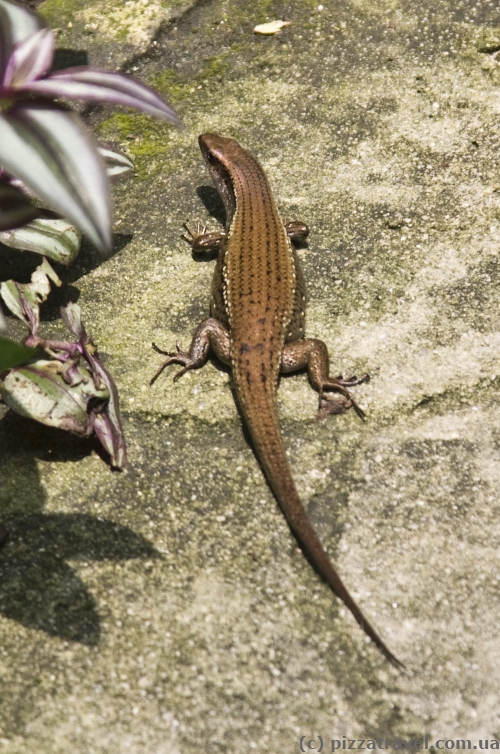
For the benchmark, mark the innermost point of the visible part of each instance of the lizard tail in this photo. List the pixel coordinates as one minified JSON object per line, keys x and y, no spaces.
{"x":268,"y":442}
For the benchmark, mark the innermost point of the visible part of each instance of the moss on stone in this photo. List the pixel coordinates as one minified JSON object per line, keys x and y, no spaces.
{"x":58,"y":11}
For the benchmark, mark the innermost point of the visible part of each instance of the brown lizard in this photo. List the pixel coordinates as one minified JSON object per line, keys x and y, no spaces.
{"x":257,"y":328}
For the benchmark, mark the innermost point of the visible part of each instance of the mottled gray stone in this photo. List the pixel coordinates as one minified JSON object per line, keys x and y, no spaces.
{"x":167,"y":608}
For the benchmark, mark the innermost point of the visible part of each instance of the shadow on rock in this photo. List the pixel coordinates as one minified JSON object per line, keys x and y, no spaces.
{"x":66,"y":57}
{"x":213,"y":203}
{"x":40,"y":590}
{"x":20,"y":266}
{"x":28,"y":437}
{"x":38,"y":587}
{"x":89,"y":258}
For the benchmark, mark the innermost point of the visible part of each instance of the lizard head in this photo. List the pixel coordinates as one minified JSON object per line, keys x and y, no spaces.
{"x":218,"y":147}
{"x":229,"y":165}
{"x":223,"y":157}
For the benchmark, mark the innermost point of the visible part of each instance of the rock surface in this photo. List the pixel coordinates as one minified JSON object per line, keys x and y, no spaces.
{"x":167,"y":608}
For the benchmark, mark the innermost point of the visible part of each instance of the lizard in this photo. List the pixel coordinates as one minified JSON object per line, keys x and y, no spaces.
{"x":257,"y":327}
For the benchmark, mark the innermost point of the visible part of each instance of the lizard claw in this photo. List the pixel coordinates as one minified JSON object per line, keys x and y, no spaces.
{"x":173,"y":357}
{"x":328,"y":404}
{"x":190,"y":236}
{"x":352,"y":381}
{"x":202,"y":241}
{"x":160,"y":350}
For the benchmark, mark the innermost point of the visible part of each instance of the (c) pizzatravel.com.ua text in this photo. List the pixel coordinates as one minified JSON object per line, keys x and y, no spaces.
{"x":320,"y":743}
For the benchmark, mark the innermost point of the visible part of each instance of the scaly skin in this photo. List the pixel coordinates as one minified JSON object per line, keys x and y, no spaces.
{"x":257,"y":327}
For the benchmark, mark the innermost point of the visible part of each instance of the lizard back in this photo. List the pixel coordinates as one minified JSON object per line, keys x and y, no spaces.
{"x":257,"y":289}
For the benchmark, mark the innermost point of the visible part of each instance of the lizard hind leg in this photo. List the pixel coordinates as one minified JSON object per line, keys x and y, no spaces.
{"x":312,"y":354}
{"x":329,"y":405}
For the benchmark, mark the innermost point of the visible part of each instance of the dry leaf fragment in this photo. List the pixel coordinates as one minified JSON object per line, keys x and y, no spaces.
{"x":272,"y":27}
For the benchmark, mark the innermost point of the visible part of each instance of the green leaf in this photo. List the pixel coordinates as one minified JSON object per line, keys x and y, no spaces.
{"x":39,"y":391}
{"x":71,"y":315}
{"x":54,"y":238}
{"x":24,"y":300}
{"x":103,"y":86}
{"x":16,"y":23}
{"x":108,"y":425}
{"x":53,"y":154}
{"x":12,"y":354}
{"x":117,"y":162}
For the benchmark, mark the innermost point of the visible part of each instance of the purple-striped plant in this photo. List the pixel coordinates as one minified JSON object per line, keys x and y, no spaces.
{"x":46,"y":146}
{"x":47,"y":153}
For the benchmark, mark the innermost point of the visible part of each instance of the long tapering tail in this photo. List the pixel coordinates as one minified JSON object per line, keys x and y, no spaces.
{"x":266,"y":435}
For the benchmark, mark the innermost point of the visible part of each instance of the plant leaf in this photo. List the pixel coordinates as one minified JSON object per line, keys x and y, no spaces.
{"x":52,"y":153}
{"x":16,"y":23}
{"x":72,"y":318}
{"x":12,"y":354}
{"x":52,"y":237}
{"x":40,"y":392}
{"x":107,"y":425}
{"x":24,"y":300}
{"x":30,"y":59}
{"x":117,"y":162}
{"x":16,"y":209}
{"x":106,"y":422}
{"x":103,"y":86}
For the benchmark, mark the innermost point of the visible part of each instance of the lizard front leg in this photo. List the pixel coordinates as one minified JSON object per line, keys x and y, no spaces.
{"x":209,"y":334}
{"x":297,"y":231}
{"x":202,"y":242}
{"x":312,"y":354}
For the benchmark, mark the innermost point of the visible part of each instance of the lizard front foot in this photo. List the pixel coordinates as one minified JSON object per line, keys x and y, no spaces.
{"x":201,"y":241}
